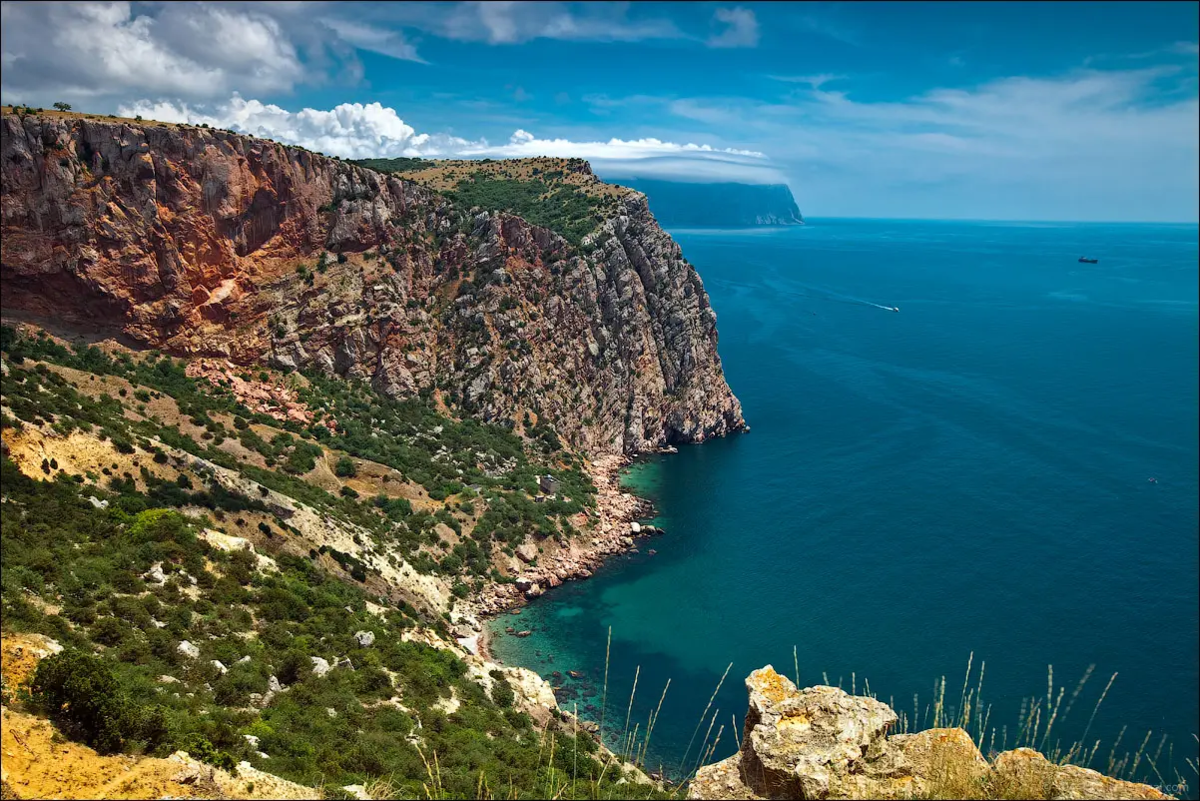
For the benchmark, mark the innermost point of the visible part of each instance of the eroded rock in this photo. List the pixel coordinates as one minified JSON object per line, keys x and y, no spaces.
{"x":821,"y":742}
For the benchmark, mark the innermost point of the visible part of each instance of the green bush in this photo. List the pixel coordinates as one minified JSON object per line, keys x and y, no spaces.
{"x":502,"y":692}
{"x":79,"y":692}
{"x":345,"y":468}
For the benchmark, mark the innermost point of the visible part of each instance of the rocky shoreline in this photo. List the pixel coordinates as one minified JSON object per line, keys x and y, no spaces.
{"x":616,"y":530}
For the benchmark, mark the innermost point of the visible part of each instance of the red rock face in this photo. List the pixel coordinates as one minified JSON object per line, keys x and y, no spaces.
{"x":208,"y":243}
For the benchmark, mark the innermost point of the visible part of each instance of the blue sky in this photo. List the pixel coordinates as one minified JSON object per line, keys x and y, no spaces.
{"x":1060,"y":111}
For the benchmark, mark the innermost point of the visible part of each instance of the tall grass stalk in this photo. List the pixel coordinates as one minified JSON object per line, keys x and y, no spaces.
{"x":1096,"y":709}
{"x":704,"y":714}
{"x":604,"y":696}
{"x":1113,"y":753}
{"x":629,"y":711}
{"x":652,"y":721}
{"x":962,"y":698}
{"x":703,"y":745}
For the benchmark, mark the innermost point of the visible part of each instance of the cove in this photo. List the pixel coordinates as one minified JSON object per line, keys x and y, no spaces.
{"x":967,"y":476}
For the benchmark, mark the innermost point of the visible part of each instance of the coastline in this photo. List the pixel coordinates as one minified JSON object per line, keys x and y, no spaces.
{"x":614,"y":529}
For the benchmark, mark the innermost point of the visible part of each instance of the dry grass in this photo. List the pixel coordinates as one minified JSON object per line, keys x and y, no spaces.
{"x":443,"y":175}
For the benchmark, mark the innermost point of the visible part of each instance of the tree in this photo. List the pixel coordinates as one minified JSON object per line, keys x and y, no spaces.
{"x":345,"y":468}
{"x":62,"y":106}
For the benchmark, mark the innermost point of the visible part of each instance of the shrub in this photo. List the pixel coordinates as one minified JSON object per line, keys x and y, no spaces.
{"x":79,"y":692}
{"x":502,"y":691}
{"x":345,"y":468}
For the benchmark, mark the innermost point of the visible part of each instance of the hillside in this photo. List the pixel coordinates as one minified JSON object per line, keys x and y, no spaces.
{"x":227,"y":583}
{"x":717,"y":205}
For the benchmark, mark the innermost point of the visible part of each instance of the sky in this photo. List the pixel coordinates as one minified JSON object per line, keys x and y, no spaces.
{"x":1005,"y":111}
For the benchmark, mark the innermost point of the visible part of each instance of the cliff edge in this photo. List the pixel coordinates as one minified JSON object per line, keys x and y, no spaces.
{"x":208,"y":243}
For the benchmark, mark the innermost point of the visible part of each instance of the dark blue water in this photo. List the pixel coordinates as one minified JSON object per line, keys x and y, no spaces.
{"x":968,"y":475}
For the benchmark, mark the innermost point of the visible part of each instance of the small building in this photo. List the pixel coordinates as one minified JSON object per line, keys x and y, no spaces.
{"x":548,"y":484}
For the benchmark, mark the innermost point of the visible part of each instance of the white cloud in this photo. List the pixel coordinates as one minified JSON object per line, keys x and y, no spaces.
{"x":376,"y":39}
{"x":815,"y":81}
{"x":1087,"y":145}
{"x":522,"y":144}
{"x":195,"y":50}
{"x":355,"y":130}
{"x":191,"y":50}
{"x":741,"y":28}
{"x":508,"y":22}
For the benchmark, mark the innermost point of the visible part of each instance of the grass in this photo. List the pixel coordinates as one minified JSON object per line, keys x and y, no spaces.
{"x":952,"y":774}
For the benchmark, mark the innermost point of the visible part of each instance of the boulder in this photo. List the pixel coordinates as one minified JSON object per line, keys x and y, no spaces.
{"x":1023,"y":772}
{"x":319,"y":666}
{"x":527,"y":552}
{"x":188,"y":650}
{"x":365,"y":638}
{"x":821,"y":742}
{"x":635,"y":527}
{"x":219,"y":666}
{"x":534,"y":591}
{"x":524,"y":583}
{"x":155,"y":574}
{"x":273,"y":685}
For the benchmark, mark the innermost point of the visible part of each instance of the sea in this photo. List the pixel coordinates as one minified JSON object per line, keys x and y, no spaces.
{"x":998,"y":478}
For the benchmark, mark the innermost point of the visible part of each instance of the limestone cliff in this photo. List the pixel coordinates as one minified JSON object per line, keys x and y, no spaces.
{"x":821,"y":742}
{"x":209,"y":243}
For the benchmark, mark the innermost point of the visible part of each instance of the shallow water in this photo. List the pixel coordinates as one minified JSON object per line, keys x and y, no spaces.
{"x":969,"y":475}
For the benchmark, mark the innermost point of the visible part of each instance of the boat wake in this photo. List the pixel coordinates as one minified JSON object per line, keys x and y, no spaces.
{"x":810,"y":292}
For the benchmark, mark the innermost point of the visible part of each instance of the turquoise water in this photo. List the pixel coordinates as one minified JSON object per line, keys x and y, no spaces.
{"x":968,"y":475}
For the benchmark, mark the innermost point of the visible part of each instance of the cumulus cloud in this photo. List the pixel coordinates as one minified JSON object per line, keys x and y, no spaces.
{"x":356,"y":130}
{"x":741,"y":28}
{"x":194,"y":51}
{"x":191,"y":50}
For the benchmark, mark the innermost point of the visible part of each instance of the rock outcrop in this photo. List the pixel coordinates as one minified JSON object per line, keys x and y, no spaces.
{"x":209,"y":243}
{"x":821,"y":742}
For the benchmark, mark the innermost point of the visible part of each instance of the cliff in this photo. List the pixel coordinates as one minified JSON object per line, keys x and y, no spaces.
{"x":718,"y":205}
{"x":207,"y":243}
{"x":821,"y":742}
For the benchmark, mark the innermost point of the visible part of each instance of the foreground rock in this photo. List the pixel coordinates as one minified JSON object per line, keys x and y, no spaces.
{"x":821,"y":742}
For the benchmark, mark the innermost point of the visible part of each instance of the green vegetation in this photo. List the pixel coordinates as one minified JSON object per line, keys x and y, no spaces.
{"x":172,"y":643}
{"x":560,"y":207}
{"x":449,"y":458}
{"x":124,"y":684}
{"x":392,"y":165}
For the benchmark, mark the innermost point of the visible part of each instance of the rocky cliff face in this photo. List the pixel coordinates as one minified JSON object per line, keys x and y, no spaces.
{"x":821,"y":742}
{"x":209,"y":243}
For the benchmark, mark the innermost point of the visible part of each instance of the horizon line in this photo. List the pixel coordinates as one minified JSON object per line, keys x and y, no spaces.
{"x":1000,"y":219}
